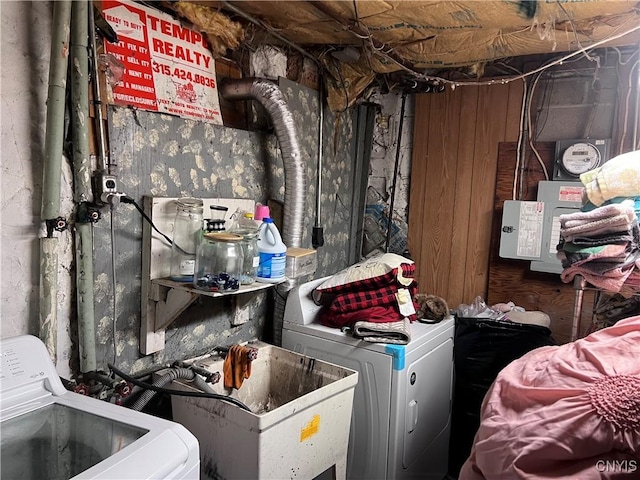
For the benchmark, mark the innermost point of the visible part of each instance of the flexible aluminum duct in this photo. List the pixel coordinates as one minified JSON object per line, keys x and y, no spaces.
{"x":171,"y":375}
{"x":271,"y":98}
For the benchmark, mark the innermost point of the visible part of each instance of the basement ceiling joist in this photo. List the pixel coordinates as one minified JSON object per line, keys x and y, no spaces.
{"x":432,"y":36}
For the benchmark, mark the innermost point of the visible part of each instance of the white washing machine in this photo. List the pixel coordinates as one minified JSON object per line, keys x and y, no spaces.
{"x":402,"y":403}
{"x":50,"y":432}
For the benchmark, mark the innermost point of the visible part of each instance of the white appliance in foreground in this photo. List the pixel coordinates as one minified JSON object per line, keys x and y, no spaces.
{"x":402,"y":403}
{"x":50,"y":432}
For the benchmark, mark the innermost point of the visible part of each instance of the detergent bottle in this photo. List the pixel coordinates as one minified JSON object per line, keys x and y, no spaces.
{"x":272,"y":252}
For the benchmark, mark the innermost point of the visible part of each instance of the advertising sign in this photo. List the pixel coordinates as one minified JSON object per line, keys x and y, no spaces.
{"x":167,"y":67}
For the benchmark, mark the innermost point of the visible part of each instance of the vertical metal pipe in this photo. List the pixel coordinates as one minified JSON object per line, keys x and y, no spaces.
{"x":80,"y":100}
{"x":103,"y":160}
{"x":320,"y":146}
{"x":53,"y":141}
{"x":579,"y":285}
{"x":48,"y":295}
{"x":84,"y":294}
{"x":52,"y":174}
{"x":82,"y":183}
{"x":635,"y":142}
{"x":317,"y":236}
{"x":395,"y":173}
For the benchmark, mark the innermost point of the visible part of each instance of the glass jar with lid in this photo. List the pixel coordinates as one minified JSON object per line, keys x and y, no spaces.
{"x":219,"y":262}
{"x":187,"y":229}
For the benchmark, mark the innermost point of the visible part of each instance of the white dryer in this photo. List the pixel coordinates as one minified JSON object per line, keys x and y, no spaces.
{"x":402,"y":403}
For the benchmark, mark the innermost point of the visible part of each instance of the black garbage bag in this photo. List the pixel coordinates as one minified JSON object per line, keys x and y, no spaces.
{"x":483,"y":347}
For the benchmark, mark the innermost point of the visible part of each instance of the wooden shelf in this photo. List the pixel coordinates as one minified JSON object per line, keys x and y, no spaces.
{"x":187,"y":287}
{"x":168,"y":299}
{"x":163,"y":299}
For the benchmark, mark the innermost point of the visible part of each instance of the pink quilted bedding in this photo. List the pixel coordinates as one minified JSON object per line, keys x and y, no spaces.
{"x":564,"y":412}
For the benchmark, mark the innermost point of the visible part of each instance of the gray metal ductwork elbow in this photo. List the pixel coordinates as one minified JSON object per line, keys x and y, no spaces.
{"x":271,"y":98}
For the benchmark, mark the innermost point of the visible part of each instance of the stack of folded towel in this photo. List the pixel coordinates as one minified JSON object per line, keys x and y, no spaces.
{"x":602,"y":241}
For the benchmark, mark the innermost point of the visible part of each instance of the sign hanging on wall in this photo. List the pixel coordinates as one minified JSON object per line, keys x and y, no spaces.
{"x":167,"y":67}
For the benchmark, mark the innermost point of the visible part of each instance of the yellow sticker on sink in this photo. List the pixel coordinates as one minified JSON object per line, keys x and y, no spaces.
{"x":311,"y":429}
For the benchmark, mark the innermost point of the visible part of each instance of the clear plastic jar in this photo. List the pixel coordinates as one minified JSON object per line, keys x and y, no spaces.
{"x":187,"y":229}
{"x":219,"y":262}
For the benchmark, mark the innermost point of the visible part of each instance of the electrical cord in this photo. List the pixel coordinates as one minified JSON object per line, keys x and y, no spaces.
{"x":180,"y":393}
{"x":126,"y":199}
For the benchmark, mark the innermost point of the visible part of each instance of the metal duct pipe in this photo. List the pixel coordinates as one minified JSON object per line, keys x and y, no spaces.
{"x":52,"y":175}
{"x":82,"y":183}
{"x":269,"y":95}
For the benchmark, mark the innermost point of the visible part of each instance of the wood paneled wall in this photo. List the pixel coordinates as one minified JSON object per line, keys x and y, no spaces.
{"x":464,"y":158}
{"x":453,"y":178}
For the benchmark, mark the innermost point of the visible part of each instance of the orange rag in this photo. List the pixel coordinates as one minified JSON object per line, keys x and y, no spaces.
{"x":237,"y":366}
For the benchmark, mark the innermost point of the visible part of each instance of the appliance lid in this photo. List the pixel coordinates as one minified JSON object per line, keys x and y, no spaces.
{"x":58,"y":441}
{"x":49,"y":432}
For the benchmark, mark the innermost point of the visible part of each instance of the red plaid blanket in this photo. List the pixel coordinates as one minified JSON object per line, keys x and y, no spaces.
{"x":372,"y":296}
{"x":373,"y":283}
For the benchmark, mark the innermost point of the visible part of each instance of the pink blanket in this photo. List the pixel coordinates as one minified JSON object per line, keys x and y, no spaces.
{"x":564,"y":412}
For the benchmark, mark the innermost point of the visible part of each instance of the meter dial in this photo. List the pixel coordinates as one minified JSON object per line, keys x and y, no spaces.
{"x":580,"y":158}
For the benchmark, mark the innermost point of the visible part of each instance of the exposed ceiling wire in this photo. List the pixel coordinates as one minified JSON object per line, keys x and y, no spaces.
{"x":558,"y":61}
{"x":531,"y":127}
{"x":620,"y":62}
{"x":521,"y":133}
{"x":389,"y":54}
{"x":575,"y":34}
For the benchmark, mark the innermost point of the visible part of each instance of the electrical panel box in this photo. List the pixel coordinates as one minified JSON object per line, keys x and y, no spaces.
{"x":521,"y":233}
{"x":531,"y":229}
{"x":577,"y":156}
